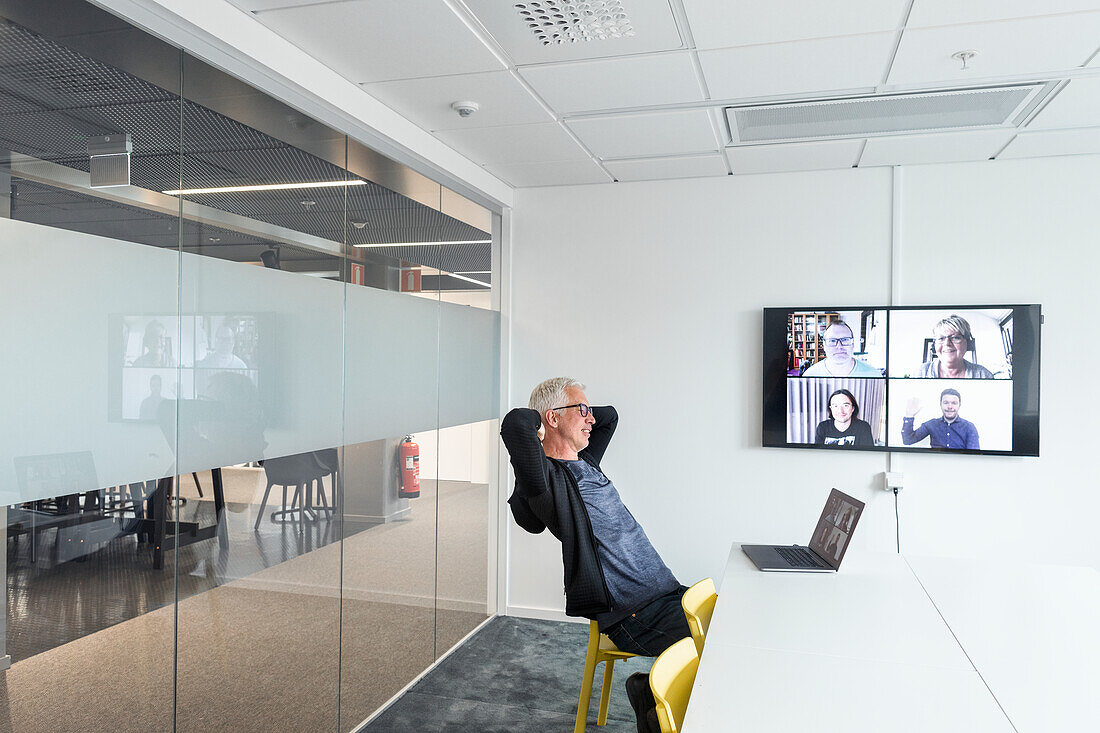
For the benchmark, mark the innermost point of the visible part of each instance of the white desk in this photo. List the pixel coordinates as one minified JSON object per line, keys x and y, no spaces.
{"x":1032,"y":632}
{"x":860,"y":650}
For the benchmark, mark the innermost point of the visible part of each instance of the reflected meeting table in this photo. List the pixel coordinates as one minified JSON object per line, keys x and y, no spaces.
{"x":901,"y":644}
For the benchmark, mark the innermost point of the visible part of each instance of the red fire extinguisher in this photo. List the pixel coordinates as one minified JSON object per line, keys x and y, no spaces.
{"x":410,"y":469}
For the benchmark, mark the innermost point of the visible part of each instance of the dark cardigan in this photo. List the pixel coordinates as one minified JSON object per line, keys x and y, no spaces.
{"x":546,"y":496}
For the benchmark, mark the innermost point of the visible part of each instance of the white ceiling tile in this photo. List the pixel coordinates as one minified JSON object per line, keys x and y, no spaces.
{"x":819,"y":65}
{"x":559,"y":173}
{"x":380,"y":40}
{"x":794,"y":156}
{"x":950,"y":12}
{"x":651,"y":169}
{"x":652,"y":20}
{"x":1005,"y":48}
{"x":724,"y":23}
{"x":1076,"y":105}
{"x":640,"y":135}
{"x":1053,"y":142}
{"x":427,"y":102}
{"x":616,"y":83}
{"x":253,"y":5}
{"x":945,"y":147}
{"x":513,"y":144}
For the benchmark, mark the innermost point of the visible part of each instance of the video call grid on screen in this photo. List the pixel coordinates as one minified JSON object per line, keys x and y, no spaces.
{"x":168,"y":357}
{"x":895,"y":361}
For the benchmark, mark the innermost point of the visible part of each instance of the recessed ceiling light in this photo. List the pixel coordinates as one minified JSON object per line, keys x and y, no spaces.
{"x":266,"y":187}
{"x":556,"y":23}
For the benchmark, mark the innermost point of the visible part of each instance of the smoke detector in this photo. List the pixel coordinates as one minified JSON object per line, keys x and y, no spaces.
{"x":465,"y":109}
{"x":964,"y":57}
{"x":555,"y":22}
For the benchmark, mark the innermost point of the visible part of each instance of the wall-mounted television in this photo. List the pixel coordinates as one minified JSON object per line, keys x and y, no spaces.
{"x":959,"y":379}
{"x":158,"y":357}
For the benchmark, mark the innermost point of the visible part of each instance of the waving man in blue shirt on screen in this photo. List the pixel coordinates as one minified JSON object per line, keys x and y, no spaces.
{"x":947,"y":431}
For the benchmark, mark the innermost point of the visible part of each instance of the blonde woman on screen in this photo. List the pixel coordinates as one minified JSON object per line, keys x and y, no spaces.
{"x":952,"y":339}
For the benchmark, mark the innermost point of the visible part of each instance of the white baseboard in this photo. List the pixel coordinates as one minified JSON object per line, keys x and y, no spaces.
{"x":378,"y":519}
{"x":543,"y":614}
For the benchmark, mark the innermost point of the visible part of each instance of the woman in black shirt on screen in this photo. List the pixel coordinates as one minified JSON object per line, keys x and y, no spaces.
{"x":843,"y":426}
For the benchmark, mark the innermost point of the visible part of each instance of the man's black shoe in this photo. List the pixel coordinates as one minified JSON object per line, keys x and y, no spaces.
{"x":641,"y":699}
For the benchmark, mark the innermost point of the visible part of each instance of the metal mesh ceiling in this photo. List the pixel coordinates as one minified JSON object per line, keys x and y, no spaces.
{"x":53,"y":98}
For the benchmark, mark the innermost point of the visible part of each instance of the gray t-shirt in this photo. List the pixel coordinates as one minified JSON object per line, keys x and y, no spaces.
{"x":634,"y":572}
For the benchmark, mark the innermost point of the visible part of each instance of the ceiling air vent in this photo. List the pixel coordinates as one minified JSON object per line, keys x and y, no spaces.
{"x":109,"y":160}
{"x":554,"y":22}
{"x":882,"y":115}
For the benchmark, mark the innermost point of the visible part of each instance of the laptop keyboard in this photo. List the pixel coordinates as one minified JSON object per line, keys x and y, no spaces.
{"x":798,"y":557}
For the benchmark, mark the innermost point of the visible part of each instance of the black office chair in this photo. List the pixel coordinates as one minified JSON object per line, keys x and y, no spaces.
{"x":302,"y":471}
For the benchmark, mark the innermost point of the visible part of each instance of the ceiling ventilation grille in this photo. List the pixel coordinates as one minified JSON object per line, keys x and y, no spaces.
{"x":881,"y":115}
{"x":557,"y":23}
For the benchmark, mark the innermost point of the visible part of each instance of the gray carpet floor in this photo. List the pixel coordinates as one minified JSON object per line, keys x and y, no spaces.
{"x":514,"y":675}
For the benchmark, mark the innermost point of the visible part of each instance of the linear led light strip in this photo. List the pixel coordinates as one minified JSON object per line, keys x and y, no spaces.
{"x":467,"y":279}
{"x":267,"y":187}
{"x":422,"y":244}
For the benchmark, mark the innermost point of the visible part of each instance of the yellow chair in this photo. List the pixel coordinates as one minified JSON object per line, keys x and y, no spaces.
{"x":671,"y":679}
{"x":600,"y":649}
{"x":698,"y":603}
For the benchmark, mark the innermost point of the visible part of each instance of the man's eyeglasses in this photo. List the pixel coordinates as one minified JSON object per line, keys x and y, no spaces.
{"x":585,"y":409}
{"x":842,"y":341}
{"x":956,"y":339}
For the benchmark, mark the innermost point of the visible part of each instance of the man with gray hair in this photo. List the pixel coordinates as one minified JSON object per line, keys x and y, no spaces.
{"x":612,"y":572}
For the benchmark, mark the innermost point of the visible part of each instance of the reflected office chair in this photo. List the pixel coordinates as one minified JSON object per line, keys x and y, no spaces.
{"x":698,"y":603}
{"x":671,"y":680}
{"x":600,"y":649}
{"x":299,"y":470}
{"x":329,"y":461}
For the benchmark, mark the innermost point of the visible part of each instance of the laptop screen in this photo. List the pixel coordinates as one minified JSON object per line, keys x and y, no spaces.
{"x":834,"y":528}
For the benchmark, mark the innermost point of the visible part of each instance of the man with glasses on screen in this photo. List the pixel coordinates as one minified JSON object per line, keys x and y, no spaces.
{"x":840,"y":344}
{"x":612,"y":572}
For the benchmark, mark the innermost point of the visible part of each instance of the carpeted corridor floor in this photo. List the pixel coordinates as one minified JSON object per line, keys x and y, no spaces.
{"x":515,"y":676}
{"x":282,"y":631}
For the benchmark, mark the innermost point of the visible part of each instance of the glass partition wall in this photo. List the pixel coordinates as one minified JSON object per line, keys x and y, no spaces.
{"x":252,"y":402}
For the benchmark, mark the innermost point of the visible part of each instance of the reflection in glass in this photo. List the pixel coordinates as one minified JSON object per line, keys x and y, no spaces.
{"x":201,"y":463}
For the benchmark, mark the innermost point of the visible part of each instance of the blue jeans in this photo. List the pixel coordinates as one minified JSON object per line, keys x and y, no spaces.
{"x":653,"y":628}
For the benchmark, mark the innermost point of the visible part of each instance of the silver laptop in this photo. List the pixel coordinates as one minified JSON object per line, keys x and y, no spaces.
{"x":827,"y":545}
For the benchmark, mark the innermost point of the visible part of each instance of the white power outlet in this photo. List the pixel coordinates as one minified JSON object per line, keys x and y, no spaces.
{"x":894,"y":480}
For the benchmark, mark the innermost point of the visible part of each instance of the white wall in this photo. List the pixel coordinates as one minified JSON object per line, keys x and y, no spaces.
{"x":651,"y":293}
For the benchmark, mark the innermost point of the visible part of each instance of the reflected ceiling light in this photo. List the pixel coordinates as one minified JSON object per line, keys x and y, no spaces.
{"x":267,"y":187}
{"x":424,"y":244}
{"x":467,"y":279}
